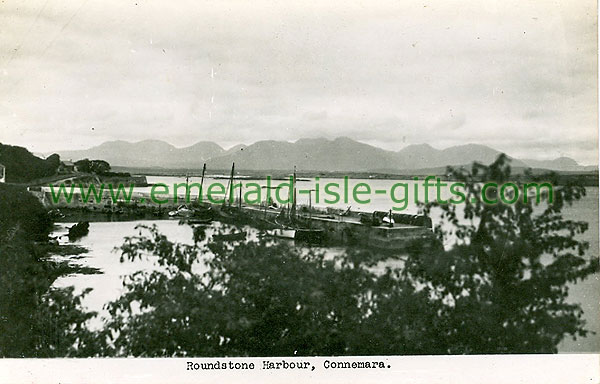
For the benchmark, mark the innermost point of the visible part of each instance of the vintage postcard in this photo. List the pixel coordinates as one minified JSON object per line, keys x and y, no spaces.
{"x":328,"y":191}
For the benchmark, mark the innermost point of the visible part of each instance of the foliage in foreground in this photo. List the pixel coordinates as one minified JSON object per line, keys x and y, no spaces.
{"x":501,"y":288}
{"x":22,"y":166}
{"x":35,"y":320}
{"x":492,"y":292}
{"x":258,"y":300}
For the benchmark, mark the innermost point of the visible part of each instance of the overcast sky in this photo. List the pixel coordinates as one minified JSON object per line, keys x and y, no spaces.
{"x":519,"y":76}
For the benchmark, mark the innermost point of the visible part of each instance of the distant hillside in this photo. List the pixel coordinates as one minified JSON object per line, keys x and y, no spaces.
{"x":341,"y":154}
{"x":148,"y":153}
{"x":425,"y":156}
{"x":560,"y":164}
{"x":22,"y":166}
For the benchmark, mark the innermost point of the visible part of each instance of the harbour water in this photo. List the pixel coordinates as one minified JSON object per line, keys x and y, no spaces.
{"x":105,"y":236}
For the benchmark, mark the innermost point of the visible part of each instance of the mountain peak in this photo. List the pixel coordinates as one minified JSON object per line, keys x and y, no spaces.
{"x":311,"y":141}
{"x":344,"y":139}
{"x":419,"y":146}
{"x":309,"y":154}
{"x":205,"y":144}
{"x":566,"y":161}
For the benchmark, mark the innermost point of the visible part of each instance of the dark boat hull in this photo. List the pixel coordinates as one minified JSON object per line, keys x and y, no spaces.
{"x":314,"y":236}
{"x":230,"y":236}
{"x":199,"y":221}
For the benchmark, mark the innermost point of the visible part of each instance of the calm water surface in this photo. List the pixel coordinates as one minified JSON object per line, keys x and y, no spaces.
{"x":105,"y":236}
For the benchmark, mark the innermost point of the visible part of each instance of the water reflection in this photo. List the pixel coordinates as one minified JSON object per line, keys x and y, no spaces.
{"x":105,"y":236}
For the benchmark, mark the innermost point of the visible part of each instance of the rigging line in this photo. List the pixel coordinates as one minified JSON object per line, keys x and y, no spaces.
{"x":18,"y":80}
{"x":84,"y":2}
{"x":18,"y":48}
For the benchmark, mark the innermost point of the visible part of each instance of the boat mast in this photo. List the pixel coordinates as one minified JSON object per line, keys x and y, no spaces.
{"x":240,"y":198}
{"x":230,"y":186}
{"x":187,"y":185}
{"x":293,"y":211}
{"x":310,"y":208}
{"x":201,"y":182}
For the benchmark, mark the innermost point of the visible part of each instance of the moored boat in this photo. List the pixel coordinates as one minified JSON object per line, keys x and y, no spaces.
{"x":236,"y":236}
{"x":309,"y":235}
{"x":201,"y":221}
{"x":282,"y":233}
{"x":181,"y":211}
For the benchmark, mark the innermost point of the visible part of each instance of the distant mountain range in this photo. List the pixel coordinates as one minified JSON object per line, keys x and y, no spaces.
{"x":341,"y":154}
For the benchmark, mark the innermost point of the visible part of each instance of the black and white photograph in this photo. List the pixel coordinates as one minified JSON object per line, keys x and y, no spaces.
{"x":328,"y":191}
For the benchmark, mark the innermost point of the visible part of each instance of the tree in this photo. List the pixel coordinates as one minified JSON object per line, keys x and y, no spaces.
{"x":257,"y":300}
{"x":21,"y":214}
{"x":83,"y":165}
{"x":35,"y":319}
{"x":502,"y":286}
{"x":22,"y":166}
{"x":98,"y":167}
{"x":52,"y":163}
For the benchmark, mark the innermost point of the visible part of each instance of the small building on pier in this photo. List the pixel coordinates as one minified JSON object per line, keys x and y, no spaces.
{"x":67,"y":166}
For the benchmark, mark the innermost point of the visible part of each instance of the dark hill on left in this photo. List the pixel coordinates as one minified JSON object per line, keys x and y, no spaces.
{"x":21,"y":166}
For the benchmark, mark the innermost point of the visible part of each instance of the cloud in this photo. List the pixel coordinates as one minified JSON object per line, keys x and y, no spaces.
{"x":516,"y":76}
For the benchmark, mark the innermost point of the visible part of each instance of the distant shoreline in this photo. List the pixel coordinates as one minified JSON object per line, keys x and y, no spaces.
{"x":589,"y":178}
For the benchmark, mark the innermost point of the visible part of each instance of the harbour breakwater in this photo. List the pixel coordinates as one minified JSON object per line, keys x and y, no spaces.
{"x":335,"y":226}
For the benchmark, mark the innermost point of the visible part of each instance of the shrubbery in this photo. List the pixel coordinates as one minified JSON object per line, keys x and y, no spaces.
{"x":501,"y":288}
{"x":22,"y":166}
{"x":490,"y":293}
{"x":35,"y":320}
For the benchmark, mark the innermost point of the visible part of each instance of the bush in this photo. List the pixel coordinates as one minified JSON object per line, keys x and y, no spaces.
{"x":491,"y":292}
{"x":35,"y":320}
{"x":22,"y":214}
{"x":22,"y":166}
{"x":99,"y":167}
{"x":502,"y":287}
